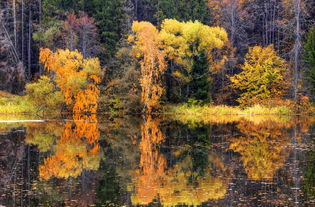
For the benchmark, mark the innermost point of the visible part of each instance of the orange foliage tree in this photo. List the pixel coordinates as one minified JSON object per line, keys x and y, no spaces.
{"x":76,"y":77}
{"x":152,"y":63}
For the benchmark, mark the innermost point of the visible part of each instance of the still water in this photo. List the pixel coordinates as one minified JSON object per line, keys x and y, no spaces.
{"x":145,"y":161}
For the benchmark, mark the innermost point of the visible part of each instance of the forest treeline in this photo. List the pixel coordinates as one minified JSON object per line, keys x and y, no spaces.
{"x":135,"y":55}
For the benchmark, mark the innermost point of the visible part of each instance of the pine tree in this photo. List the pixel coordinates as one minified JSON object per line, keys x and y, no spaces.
{"x":200,"y":84}
{"x":310,"y":59}
{"x":110,"y":19}
{"x":183,"y":10}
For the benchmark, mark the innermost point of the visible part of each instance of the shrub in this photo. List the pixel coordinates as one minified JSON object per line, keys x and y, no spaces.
{"x":44,"y":95}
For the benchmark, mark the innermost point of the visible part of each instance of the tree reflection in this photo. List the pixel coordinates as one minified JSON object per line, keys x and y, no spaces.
{"x":152,"y":164}
{"x":43,"y":134}
{"x":75,"y":151}
{"x":262,"y":148}
{"x":184,"y":182}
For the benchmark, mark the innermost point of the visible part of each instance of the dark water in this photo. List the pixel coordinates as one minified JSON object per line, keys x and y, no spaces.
{"x":98,"y":161}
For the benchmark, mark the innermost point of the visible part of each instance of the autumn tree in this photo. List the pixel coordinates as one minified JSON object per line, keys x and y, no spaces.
{"x":122,"y":92}
{"x":76,"y":32}
{"x":44,"y":95}
{"x":190,"y":45}
{"x":152,"y":63}
{"x":76,"y":77}
{"x":263,"y":76}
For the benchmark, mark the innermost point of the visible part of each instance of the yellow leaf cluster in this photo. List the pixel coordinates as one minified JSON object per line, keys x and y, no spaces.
{"x":183,"y":40}
{"x":264,"y":76}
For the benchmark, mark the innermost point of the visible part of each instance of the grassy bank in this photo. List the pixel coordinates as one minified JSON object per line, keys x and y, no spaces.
{"x":226,"y":110}
{"x":14,"y":104}
{"x":227,"y":114}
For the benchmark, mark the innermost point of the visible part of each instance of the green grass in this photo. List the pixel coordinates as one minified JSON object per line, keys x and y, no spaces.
{"x":13,"y":104}
{"x":226,"y":110}
{"x":227,"y":114}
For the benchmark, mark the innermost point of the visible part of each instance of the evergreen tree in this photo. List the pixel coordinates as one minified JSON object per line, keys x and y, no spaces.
{"x":183,"y":10}
{"x":200,"y":84}
{"x":310,"y":59}
{"x":110,"y":19}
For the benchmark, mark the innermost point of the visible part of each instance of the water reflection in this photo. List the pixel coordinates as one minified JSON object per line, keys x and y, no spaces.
{"x":76,"y":150}
{"x":152,"y":161}
{"x":190,"y":179}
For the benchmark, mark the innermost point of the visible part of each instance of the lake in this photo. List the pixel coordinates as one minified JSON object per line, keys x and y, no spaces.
{"x":149,"y":161}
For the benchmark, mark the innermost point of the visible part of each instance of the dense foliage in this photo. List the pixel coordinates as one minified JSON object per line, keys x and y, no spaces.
{"x":310,"y":59}
{"x":263,"y":76}
{"x":180,"y":52}
{"x":76,"y":77}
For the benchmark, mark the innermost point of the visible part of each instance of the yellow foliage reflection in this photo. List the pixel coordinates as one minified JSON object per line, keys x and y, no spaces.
{"x":178,"y":188}
{"x":75,"y":151}
{"x":176,"y":185}
{"x":43,"y":134}
{"x":262,"y":148}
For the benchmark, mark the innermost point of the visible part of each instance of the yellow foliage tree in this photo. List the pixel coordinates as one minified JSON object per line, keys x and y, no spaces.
{"x":178,"y":41}
{"x":44,"y":95}
{"x":182,"y":41}
{"x":152,"y":63}
{"x":76,"y":77}
{"x":263,"y":76}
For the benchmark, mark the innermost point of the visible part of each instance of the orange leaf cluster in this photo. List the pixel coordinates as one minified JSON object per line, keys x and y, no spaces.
{"x":75,"y":76}
{"x":152,"y":63}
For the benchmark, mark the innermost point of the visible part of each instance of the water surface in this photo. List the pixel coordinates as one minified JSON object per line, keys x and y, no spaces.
{"x":146,"y":161}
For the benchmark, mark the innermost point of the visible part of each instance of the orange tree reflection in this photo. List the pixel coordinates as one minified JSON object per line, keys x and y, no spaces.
{"x":152,"y":164}
{"x":179,"y":184}
{"x":75,"y":151}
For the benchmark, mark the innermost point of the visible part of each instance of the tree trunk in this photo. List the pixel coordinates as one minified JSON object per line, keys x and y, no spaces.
{"x":297,"y":44}
{"x":14,"y":24}
{"x":29,"y":49}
